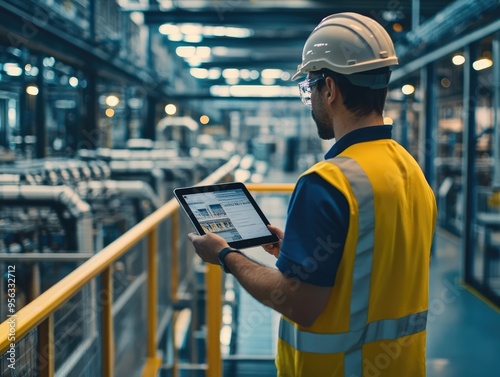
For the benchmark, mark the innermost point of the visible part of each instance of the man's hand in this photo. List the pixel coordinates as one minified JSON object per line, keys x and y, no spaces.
{"x":208,"y":246}
{"x":274,"y":248}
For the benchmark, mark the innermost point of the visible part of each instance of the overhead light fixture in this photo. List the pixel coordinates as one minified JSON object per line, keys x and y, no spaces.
{"x":110,"y":113}
{"x":458,"y":59}
{"x":214,"y":73}
{"x":191,"y":29}
{"x":199,"y":73}
{"x":12,"y":69}
{"x":194,"y":61}
{"x":185,"y":51}
{"x":170,"y":109}
{"x":267,"y":80}
{"x":408,"y":89}
{"x":192,"y":38}
{"x":73,"y":81}
{"x":445,"y":82}
{"x":388,"y":120}
{"x":482,"y":63}
{"x":175,"y":37}
{"x":285,"y":76}
{"x":32,"y":90}
{"x":167,"y":29}
{"x":230,"y":73}
{"x":254,"y":91}
{"x":271,"y":73}
{"x":203,"y":52}
{"x":112,"y":100}
{"x":204,"y":119}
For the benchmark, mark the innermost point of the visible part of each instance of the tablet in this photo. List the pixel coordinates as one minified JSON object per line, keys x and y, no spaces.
{"x":226,"y":209}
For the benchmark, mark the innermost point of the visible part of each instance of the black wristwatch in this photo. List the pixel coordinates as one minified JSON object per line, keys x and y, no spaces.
{"x":222,"y":255}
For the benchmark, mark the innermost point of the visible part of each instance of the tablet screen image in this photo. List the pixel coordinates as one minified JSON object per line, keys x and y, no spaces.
{"x":227,"y":210}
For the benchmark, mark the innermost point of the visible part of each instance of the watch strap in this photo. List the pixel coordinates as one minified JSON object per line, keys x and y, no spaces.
{"x":222,"y":255}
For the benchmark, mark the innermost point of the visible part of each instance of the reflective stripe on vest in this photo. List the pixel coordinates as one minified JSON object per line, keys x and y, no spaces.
{"x":360,"y":332}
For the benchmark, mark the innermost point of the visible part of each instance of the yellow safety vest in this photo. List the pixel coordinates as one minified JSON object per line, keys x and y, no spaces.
{"x":375,"y":319}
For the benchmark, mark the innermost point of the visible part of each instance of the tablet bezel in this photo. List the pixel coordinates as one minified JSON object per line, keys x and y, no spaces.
{"x":240,"y":244}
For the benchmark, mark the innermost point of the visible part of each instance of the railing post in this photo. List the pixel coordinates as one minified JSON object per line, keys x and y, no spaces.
{"x":46,"y":347}
{"x":152,"y":292}
{"x":214,"y":320}
{"x":174,"y":258}
{"x":174,"y":282}
{"x":108,"y":339}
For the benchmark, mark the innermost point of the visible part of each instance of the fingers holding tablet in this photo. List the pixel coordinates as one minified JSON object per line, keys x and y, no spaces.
{"x":274,"y":248}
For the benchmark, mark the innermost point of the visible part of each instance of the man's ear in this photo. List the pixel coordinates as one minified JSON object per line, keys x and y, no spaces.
{"x":331,"y":89}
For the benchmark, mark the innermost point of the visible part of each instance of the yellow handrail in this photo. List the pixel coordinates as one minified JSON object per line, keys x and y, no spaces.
{"x":40,"y":310}
{"x":42,"y":307}
{"x":213,"y":278}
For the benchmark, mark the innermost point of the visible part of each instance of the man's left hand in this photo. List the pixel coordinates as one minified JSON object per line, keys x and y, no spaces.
{"x":208,"y":246}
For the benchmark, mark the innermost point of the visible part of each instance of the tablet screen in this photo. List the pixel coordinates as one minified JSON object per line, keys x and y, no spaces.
{"x":227,"y":210}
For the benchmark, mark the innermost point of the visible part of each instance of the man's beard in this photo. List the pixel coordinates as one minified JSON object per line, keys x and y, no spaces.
{"x":324,"y":127}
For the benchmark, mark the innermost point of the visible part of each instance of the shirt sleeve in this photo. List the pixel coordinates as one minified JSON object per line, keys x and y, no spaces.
{"x":315,"y":232}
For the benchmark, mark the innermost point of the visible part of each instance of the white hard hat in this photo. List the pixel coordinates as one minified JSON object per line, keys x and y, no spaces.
{"x":348,"y":43}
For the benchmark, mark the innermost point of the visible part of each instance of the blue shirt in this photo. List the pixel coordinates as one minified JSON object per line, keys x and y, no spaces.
{"x":318,"y":219}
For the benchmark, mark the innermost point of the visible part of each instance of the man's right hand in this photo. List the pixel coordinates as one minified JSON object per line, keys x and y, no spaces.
{"x":274,"y":248}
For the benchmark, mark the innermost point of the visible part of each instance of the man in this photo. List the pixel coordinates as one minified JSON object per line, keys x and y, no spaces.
{"x":353,"y":261}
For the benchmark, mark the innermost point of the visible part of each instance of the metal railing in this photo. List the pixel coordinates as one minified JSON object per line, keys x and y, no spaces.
{"x":34,"y":324}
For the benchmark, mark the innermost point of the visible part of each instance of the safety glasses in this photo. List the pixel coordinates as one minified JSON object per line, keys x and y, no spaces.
{"x":305,"y":89}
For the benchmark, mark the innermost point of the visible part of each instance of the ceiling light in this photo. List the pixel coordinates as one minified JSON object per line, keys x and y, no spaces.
{"x":49,"y":61}
{"x":185,"y":51}
{"x":32,"y":90}
{"x":170,"y":109}
{"x":199,"y":73}
{"x":458,"y":59}
{"x":177,"y":37}
{"x":245,"y":74}
{"x":214,"y":73}
{"x":219,"y":31}
{"x":445,"y":82}
{"x":220,"y":51}
{"x":73,"y":81}
{"x":271,"y":73}
{"x":191,"y":29}
{"x":192,"y":38}
{"x":112,"y":100}
{"x":203,"y":52}
{"x":285,"y":76}
{"x":482,"y":63}
{"x":388,"y":120}
{"x":167,"y":29}
{"x":230,"y":73}
{"x":254,"y":91}
{"x":194,"y":61}
{"x":204,"y":119}
{"x":267,"y":80}
{"x":237,"y":32}
{"x":109,"y":113}
{"x":12,"y":69}
{"x":232,"y":81}
{"x":408,"y":89}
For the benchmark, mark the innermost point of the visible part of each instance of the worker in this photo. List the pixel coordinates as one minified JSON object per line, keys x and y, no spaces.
{"x":352,"y":276}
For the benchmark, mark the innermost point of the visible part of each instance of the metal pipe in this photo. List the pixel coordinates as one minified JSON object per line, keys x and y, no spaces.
{"x":494,"y":201}
{"x":60,"y":194}
{"x":36,"y":311}
{"x":415,"y":14}
{"x":469,"y":160}
{"x":129,"y":189}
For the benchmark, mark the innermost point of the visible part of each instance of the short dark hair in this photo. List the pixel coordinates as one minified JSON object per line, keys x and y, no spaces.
{"x":359,"y":100}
